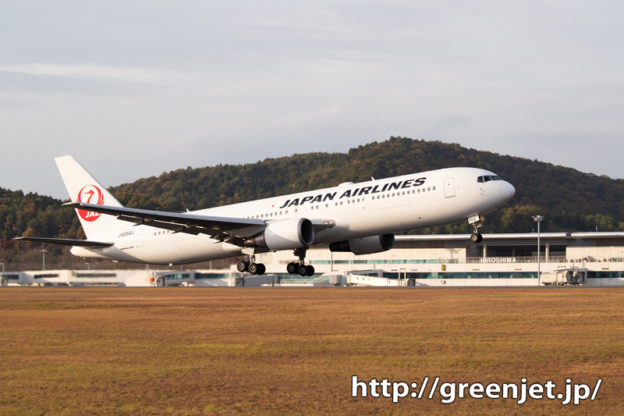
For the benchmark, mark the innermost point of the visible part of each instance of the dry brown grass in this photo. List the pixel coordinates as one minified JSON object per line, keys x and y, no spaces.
{"x":293,"y":351}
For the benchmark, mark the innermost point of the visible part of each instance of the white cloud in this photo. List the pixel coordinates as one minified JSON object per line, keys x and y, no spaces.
{"x":113,"y":74}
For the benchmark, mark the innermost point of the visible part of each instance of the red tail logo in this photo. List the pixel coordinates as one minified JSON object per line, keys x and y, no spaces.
{"x":90,"y":194}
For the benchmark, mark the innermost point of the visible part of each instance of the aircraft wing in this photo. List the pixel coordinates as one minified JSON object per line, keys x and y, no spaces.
{"x":320,"y":225}
{"x":223,"y":228}
{"x":66,"y":241}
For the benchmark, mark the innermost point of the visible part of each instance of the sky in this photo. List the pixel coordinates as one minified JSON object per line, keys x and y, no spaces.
{"x":136,"y":88}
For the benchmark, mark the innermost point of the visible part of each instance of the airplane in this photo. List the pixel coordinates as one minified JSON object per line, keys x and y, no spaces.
{"x":352,"y":217}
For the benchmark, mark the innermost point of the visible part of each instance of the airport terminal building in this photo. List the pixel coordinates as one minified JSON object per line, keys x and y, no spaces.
{"x":596,"y":258}
{"x":587,"y":258}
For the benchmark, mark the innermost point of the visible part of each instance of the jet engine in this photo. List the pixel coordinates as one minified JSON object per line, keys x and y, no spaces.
{"x":365,"y":245}
{"x":285,"y":235}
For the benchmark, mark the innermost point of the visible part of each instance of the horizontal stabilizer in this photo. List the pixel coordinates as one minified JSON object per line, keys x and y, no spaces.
{"x":65,"y":241}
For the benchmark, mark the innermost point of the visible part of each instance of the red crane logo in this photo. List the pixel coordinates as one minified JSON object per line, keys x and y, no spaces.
{"x":90,"y":194}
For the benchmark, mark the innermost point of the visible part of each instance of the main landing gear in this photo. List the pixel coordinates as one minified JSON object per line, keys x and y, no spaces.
{"x":300,"y":267}
{"x":476,"y":221}
{"x":250,"y":265}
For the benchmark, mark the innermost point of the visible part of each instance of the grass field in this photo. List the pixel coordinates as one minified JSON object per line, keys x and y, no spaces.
{"x":293,"y":351}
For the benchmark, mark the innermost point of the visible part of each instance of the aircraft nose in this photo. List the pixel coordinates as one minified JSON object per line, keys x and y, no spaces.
{"x":507,"y":190}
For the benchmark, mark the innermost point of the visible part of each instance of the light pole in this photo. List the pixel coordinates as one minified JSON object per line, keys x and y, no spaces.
{"x":43,"y":251}
{"x":538,"y":219}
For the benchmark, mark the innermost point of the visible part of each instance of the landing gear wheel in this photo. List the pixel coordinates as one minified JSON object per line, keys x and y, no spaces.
{"x":302,"y":270}
{"x":309,"y":270}
{"x":256,"y":268}
{"x":476,"y":237}
{"x":242,"y":266}
{"x":292,"y":268}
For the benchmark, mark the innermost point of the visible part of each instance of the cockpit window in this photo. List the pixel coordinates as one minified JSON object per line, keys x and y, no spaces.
{"x":487,"y":178}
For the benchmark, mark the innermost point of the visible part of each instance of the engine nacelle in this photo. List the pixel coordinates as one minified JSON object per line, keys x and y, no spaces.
{"x":365,"y":245}
{"x":286,"y":234}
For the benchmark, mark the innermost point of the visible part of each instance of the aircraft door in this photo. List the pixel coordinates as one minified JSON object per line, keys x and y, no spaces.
{"x":449,"y":187}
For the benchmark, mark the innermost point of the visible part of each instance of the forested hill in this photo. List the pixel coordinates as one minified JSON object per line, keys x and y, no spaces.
{"x":569,"y":200}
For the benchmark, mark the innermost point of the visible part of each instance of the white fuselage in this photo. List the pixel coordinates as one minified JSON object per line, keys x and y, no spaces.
{"x":358,"y":209}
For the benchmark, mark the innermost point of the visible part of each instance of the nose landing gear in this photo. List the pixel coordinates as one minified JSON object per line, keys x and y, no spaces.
{"x":476,"y":221}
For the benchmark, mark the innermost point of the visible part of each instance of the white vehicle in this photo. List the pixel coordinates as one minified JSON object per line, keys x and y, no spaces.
{"x":564,"y":276}
{"x":356,"y":217}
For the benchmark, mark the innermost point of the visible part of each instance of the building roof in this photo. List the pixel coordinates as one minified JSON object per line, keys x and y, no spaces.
{"x":513,"y":236}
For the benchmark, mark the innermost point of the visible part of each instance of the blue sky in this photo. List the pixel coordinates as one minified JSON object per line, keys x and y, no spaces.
{"x":135,"y":88}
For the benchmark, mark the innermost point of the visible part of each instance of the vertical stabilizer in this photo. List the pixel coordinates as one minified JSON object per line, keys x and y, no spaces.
{"x":82,"y":187}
